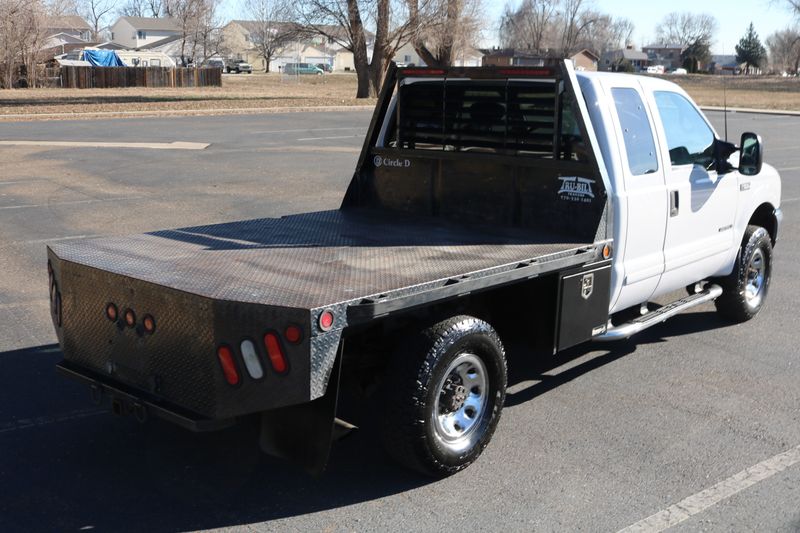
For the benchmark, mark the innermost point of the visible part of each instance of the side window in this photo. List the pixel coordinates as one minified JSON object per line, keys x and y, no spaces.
{"x":689,"y":139}
{"x":636,"y":131}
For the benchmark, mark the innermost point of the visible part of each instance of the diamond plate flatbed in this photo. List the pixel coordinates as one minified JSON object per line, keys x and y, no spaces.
{"x":314,"y":260}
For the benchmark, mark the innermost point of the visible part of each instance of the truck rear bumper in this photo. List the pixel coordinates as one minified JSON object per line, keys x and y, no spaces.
{"x":126,"y":400}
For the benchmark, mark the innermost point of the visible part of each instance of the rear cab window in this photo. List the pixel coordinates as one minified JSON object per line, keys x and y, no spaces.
{"x":530,"y":118}
{"x":637,"y":133}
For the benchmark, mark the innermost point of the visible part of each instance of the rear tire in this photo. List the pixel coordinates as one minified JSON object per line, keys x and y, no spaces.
{"x":746,"y":288}
{"x":444,"y":395}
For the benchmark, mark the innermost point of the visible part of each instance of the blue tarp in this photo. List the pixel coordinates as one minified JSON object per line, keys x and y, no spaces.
{"x":103,"y":58}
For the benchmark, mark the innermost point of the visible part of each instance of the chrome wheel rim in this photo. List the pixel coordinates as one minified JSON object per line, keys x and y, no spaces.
{"x":461,"y":399}
{"x":756,"y":275}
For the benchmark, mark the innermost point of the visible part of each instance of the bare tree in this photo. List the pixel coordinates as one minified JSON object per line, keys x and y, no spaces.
{"x":439,"y":29}
{"x":270,"y":27}
{"x":576,"y":20}
{"x":96,"y":12}
{"x":189,"y":16}
{"x":686,"y":28}
{"x":607,"y":33}
{"x":342,"y":21}
{"x":141,"y":8}
{"x":784,"y":50}
{"x":22,"y":37}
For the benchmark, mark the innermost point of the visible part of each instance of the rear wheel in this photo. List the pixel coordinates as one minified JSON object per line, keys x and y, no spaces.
{"x":444,"y":396}
{"x":745,"y":289}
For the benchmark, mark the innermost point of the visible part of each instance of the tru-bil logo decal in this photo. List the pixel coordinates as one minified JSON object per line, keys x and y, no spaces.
{"x":576,"y":189}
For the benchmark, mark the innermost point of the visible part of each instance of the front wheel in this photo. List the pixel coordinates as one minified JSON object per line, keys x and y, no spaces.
{"x":745,"y":289}
{"x":444,"y":396}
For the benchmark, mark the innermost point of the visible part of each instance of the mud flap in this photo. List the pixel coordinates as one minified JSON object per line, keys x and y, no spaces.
{"x":303,"y":433}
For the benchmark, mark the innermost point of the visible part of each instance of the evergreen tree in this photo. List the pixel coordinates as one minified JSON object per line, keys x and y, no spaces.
{"x":750,"y":51}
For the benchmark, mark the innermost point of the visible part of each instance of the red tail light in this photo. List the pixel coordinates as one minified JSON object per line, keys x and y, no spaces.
{"x":293,"y":334}
{"x":326,"y":320}
{"x":228,"y":365}
{"x":275,"y":353}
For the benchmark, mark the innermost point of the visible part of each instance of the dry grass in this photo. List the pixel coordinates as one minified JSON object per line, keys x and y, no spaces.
{"x":743,"y":91}
{"x":259,"y":91}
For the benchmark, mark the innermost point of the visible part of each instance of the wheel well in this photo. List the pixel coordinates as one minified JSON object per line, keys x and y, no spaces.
{"x":764,"y":216}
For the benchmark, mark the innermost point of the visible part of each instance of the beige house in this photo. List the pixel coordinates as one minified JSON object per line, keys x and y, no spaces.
{"x":585,"y":60}
{"x":238,"y":43}
{"x":69,"y":28}
{"x":136,"y":32}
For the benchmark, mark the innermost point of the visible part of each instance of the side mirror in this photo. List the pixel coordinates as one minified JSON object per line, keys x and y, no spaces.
{"x":751,"y":157}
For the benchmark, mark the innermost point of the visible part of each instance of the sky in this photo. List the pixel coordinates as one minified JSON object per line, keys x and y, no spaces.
{"x":733,"y":17}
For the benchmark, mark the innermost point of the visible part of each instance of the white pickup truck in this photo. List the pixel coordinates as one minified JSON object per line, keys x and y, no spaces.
{"x":486,"y":203}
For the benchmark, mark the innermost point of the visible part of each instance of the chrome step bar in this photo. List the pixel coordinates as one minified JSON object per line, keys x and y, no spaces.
{"x":623,"y":331}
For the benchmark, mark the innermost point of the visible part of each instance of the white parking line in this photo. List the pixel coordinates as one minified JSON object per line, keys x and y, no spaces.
{"x":337,"y":137}
{"x":697,"y":503}
{"x":308,"y":130}
{"x":177,"y":145}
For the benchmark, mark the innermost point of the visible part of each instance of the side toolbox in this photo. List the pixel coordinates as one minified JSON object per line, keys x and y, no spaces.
{"x":583,"y":299}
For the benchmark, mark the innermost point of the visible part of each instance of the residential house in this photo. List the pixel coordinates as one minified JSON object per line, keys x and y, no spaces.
{"x":614,"y":60}
{"x":585,"y":60}
{"x":136,"y":32}
{"x":668,"y":55}
{"x":70,"y":29}
{"x":406,"y":55}
{"x":510,"y":57}
{"x":308,"y":47}
{"x":724,"y":64}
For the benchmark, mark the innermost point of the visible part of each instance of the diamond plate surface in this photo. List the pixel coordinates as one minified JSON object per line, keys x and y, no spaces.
{"x":311,"y":260}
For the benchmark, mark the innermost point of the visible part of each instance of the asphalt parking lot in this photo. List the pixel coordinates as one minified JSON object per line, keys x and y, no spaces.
{"x":597,"y":439}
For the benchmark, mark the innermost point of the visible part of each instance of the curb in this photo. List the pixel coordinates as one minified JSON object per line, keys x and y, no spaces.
{"x":752,"y":110}
{"x":187,"y":112}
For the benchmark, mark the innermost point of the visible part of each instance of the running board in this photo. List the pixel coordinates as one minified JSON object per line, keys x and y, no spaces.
{"x":623,"y":331}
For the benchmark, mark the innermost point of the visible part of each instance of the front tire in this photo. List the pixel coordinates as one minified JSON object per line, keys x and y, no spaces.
{"x":745,"y":289}
{"x":444,"y":395}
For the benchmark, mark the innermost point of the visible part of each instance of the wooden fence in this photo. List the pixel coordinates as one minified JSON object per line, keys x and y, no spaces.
{"x":110,"y":77}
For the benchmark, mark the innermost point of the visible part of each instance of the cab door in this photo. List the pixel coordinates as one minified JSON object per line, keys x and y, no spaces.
{"x":644,"y":199}
{"x":702,"y":203}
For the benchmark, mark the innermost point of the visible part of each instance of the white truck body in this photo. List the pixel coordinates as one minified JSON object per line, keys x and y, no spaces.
{"x":657,"y":253}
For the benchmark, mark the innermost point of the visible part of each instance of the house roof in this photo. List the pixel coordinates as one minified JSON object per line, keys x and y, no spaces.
{"x":664,"y":47}
{"x":587,"y":52}
{"x":160,"y":42}
{"x":153,"y":24}
{"x":634,"y":55}
{"x":67,"y":22}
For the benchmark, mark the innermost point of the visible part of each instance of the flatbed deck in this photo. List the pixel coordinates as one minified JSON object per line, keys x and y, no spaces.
{"x":320,"y":259}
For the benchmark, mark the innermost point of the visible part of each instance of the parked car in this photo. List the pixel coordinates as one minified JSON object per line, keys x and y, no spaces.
{"x":325,"y":67}
{"x":215,"y":63}
{"x":302,"y":68}
{"x":678,"y":72}
{"x":238,"y":66}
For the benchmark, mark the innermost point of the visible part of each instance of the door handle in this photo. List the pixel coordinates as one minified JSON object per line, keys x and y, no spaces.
{"x":674,"y":203}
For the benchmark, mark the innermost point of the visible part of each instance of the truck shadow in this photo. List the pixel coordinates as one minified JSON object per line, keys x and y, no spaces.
{"x":69,"y":465}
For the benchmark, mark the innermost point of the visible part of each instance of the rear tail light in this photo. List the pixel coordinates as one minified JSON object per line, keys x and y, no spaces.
{"x":130,"y":318}
{"x":293,"y":334}
{"x":111,"y":312}
{"x":149,"y":324}
{"x":326,"y":320}
{"x":225,"y":356}
{"x":275,"y":353}
{"x":251,"y":361}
